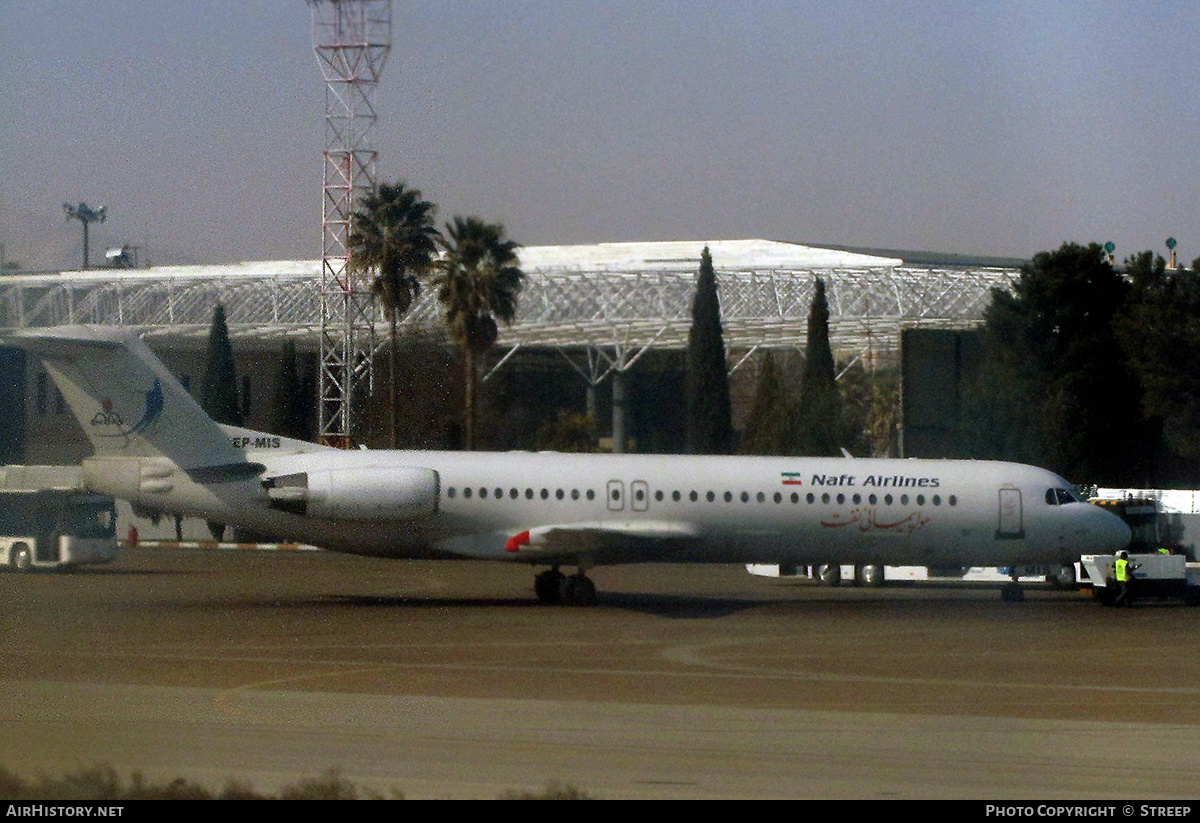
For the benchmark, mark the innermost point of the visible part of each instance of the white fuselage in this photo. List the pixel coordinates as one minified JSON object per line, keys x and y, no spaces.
{"x":627,"y":508}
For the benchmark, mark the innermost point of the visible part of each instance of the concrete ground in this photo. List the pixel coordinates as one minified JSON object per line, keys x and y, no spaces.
{"x":448,"y":679}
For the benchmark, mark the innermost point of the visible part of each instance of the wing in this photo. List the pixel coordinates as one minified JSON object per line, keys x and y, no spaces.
{"x":603,"y":543}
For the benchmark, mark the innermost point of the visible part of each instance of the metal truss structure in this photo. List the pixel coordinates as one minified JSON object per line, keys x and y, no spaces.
{"x":351,"y":39}
{"x":611,"y":314}
{"x":629,"y":313}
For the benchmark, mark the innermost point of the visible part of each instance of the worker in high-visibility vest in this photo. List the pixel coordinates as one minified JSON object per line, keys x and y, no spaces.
{"x":1123,"y":572}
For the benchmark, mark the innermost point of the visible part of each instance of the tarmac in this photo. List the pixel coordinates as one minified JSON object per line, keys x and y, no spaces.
{"x":449,"y":680}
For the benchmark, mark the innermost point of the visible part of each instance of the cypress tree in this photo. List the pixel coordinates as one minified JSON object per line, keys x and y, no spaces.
{"x":709,"y":418}
{"x":766,"y":425}
{"x":218,"y":395}
{"x":818,"y":416}
{"x":288,"y":416}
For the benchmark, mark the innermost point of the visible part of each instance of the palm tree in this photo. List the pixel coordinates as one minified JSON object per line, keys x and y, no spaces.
{"x":393,"y":236}
{"x":477,"y":285}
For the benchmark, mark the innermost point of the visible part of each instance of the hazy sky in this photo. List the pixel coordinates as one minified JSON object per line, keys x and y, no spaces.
{"x":998,"y":128}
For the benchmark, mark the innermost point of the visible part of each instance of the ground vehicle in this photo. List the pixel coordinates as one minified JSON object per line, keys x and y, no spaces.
{"x":1062,"y":576}
{"x":1154,"y":523}
{"x":47,"y":522}
{"x":1157,"y":575}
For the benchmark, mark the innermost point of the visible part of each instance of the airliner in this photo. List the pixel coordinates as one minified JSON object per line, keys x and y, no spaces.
{"x":156,"y":447}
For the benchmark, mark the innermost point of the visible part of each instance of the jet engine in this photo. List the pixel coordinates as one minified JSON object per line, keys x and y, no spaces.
{"x":368,"y":493}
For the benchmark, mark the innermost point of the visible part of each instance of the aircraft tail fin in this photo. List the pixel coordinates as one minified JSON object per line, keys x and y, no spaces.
{"x":126,"y":400}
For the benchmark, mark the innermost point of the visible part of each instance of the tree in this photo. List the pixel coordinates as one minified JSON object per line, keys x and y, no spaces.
{"x":709,"y":416}
{"x":1159,"y":331}
{"x":767,"y":423}
{"x":1054,"y":388}
{"x":478,"y":284}
{"x":568,"y":432}
{"x":290,"y":405}
{"x":818,"y":416}
{"x":218,"y":393}
{"x":394,"y":238}
{"x":871,"y":410}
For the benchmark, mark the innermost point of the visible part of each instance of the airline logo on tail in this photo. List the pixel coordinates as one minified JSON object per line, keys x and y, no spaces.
{"x":107,"y":422}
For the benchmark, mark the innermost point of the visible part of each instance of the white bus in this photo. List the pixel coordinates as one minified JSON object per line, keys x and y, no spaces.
{"x":47,"y":522}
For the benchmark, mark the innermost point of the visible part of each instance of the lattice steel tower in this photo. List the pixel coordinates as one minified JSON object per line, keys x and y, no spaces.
{"x":352,"y":39}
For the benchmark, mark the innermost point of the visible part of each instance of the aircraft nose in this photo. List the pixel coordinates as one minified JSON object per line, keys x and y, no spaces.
{"x":1109,"y":533}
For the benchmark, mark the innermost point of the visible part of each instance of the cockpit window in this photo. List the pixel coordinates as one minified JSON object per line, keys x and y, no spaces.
{"x":1060,"y":497}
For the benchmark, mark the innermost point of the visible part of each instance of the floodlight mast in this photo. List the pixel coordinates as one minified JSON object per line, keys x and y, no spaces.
{"x":351,"y":39}
{"x":85,"y":214}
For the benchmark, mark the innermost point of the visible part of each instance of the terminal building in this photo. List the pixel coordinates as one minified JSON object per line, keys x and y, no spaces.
{"x":599,"y":327}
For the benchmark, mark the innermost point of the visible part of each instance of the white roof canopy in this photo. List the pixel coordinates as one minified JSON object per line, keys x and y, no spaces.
{"x":614,"y":296}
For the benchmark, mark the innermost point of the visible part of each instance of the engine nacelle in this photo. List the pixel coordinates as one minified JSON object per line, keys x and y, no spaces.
{"x":368,"y":493}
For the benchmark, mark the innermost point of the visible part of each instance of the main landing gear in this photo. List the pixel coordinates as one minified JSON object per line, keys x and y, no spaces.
{"x":553,"y":586}
{"x":1013,"y":591}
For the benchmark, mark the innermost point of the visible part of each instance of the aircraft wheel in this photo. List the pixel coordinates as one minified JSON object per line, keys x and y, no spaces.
{"x":1012,"y":593}
{"x":870,"y":575}
{"x":1063,"y":577}
{"x":21,"y":558}
{"x":578,"y":590}
{"x":549,"y":586}
{"x":829,"y":574}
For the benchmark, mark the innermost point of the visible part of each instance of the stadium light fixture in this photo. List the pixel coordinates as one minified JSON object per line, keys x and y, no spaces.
{"x":85,"y":214}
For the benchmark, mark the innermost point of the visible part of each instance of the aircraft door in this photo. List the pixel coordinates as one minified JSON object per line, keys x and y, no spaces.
{"x":1011,"y":525}
{"x":639,"y":495}
{"x":616,"y":496}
